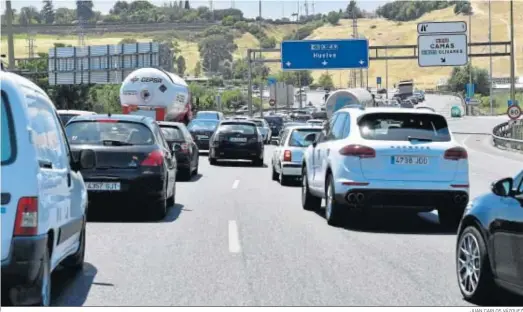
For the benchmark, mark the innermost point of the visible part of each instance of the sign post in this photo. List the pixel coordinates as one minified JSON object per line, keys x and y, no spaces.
{"x":442,"y":44}
{"x":324,"y":54}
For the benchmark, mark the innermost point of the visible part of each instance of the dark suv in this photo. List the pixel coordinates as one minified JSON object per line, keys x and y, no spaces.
{"x":275,"y":123}
{"x":237,"y":139}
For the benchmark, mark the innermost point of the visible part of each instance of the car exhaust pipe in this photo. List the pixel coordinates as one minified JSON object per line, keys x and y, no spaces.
{"x":457,"y":199}
{"x":360,"y":197}
{"x":351,"y":197}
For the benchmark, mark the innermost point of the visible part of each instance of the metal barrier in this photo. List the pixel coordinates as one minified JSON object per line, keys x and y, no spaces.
{"x":509,"y":135}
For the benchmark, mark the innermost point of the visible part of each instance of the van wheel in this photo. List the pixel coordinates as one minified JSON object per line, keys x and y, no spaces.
{"x":44,"y":282}
{"x":75,"y":262}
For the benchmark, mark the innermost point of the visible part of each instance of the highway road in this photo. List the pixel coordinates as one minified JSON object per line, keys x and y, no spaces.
{"x":237,"y":238}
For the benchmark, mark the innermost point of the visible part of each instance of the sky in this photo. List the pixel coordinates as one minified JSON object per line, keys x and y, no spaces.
{"x":270,"y":8}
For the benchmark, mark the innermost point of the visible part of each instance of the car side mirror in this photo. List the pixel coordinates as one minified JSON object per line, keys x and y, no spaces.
{"x":503,"y":187}
{"x":86,"y":160}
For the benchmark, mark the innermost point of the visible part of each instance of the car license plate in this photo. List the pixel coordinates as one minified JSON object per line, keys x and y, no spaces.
{"x":103,"y":186}
{"x":202,"y":137}
{"x":409,"y":160}
{"x":238,"y":139}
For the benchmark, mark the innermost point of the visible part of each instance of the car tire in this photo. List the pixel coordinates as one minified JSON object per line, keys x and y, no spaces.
{"x":195,"y":172}
{"x":274,"y":174}
{"x":43,"y":282}
{"x":308,"y":201}
{"x":485,"y":282}
{"x":284,"y":180}
{"x":160,"y":209}
{"x":450,"y":218}
{"x":172,"y":200}
{"x":213,"y":161}
{"x":258,"y":162}
{"x":335,"y":212}
{"x":75,"y":262}
{"x":184,"y":174}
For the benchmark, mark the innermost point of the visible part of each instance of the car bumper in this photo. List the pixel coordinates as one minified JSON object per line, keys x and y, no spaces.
{"x":236,"y":153}
{"x":416,"y":195}
{"x":23,"y":265}
{"x":134,"y":188}
{"x":202,"y":144}
{"x":291,"y":169}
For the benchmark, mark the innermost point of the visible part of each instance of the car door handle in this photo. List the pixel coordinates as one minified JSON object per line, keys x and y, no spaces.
{"x":68,"y":179}
{"x":45,"y":164}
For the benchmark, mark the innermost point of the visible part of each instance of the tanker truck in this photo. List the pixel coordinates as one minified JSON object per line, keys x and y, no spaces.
{"x":156,"y":93}
{"x":348,"y":97}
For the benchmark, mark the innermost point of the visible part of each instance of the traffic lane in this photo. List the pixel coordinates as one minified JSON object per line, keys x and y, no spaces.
{"x":440,"y":103}
{"x":486,"y":164}
{"x":184,"y":260}
{"x":475,"y":124}
{"x":294,"y":258}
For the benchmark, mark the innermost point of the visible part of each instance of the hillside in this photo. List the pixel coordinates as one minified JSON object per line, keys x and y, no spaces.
{"x":379,"y":32}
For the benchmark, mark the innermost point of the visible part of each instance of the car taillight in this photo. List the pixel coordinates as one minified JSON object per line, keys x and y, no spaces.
{"x":26,"y":222}
{"x":154,"y":159}
{"x":456,"y":153}
{"x":287,"y":156}
{"x":357,"y":150}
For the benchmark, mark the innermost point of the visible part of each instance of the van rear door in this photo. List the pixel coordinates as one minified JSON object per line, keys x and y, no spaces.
{"x":9,"y":194}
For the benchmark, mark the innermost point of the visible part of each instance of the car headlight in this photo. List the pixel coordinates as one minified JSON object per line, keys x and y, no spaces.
{"x":469,"y":206}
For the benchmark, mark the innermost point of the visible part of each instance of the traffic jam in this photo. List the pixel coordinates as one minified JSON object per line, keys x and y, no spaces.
{"x":351,"y":152}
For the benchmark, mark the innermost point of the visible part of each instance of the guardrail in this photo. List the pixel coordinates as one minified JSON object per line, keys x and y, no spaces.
{"x":509,"y":135}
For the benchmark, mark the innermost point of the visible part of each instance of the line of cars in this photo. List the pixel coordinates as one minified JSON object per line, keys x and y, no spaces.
{"x":366,"y":159}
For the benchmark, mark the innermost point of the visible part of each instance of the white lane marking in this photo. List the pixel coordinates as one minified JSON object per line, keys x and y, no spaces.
{"x":235,"y":184}
{"x":234,"y":238}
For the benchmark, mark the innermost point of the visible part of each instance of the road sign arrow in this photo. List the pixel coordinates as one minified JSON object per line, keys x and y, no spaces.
{"x":288,"y":64}
{"x":324,"y":63}
{"x":443,"y":60}
{"x":362,"y":62}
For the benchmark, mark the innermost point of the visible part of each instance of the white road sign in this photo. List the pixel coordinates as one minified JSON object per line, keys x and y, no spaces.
{"x":442,"y":50}
{"x":514,"y":112}
{"x":442,"y":28}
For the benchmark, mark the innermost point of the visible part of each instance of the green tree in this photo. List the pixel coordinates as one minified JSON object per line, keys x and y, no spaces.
{"x":180,"y":65}
{"x":333,"y":18}
{"x":84,"y":10}
{"x":29,"y":15}
{"x":187,"y":5}
{"x":353,"y":11}
{"x":325,"y":81}
{"x":127,"y":40}
{"x":47,"y":12}
{"x":459,"y":78}
{"x":463,"y":7}
{"x":198,"y":69}
{"x":215,"y":49}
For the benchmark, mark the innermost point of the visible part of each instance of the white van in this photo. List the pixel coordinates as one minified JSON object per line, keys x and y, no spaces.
{"x":44,"y":198}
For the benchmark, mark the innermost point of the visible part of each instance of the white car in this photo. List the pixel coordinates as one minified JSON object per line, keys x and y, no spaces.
{"x":44,"y":198}
{"x":386,"y":158}
{"x":264,"y":129}
{"x":315,"y":122}
{"x":288,"y":155}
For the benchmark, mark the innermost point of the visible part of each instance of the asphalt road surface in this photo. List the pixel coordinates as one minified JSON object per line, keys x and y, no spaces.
{"x":235,"y":237}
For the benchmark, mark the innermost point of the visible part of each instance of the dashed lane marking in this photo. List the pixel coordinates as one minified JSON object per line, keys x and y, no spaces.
{"x":234,"y":239}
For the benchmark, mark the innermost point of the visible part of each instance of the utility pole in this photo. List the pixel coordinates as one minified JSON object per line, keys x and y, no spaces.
{"x":490,"y":51}
{"x":306,"y":5}
{"x":312,"y":5}
{"x":512,"y":60}
{"x":263,"y":66}
{"x":9,"y":30}
{"x":470,"y":48}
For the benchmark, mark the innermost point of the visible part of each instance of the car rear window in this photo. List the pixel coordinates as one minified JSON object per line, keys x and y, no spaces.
{"x":8,"y":135}
{"x":243,"y":128}
{"x":274,"y":121}
{"x":298,"y":137}
{"x":66,"y":117}
{"x":198,"y":124}
{"x":172,"y":134}
{"x":404,"y":127}
{"x":207,"y":115}
{"x":108,"y":133}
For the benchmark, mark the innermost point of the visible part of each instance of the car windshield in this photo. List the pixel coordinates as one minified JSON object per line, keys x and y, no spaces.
{"x":200,"y":124}
{"x":404,"y":127}
{"x":238,"y":127}
{"x":172,"y":133}
{"x":207,"y":115}
{"x":258,"y":123}
{"x":66,"y":117}
{"x":297,"y":138}
{"x":108,"y":133}
{"x":8,"y":146}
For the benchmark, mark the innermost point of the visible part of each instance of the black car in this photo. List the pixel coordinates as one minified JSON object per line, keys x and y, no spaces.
{"x":133,"y":161}
{"x":489,"y":249}
{"x":180,"y":141}
{"x":237,"y":139}
{"x":275,"y":123}
{"x":202,"y":130}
